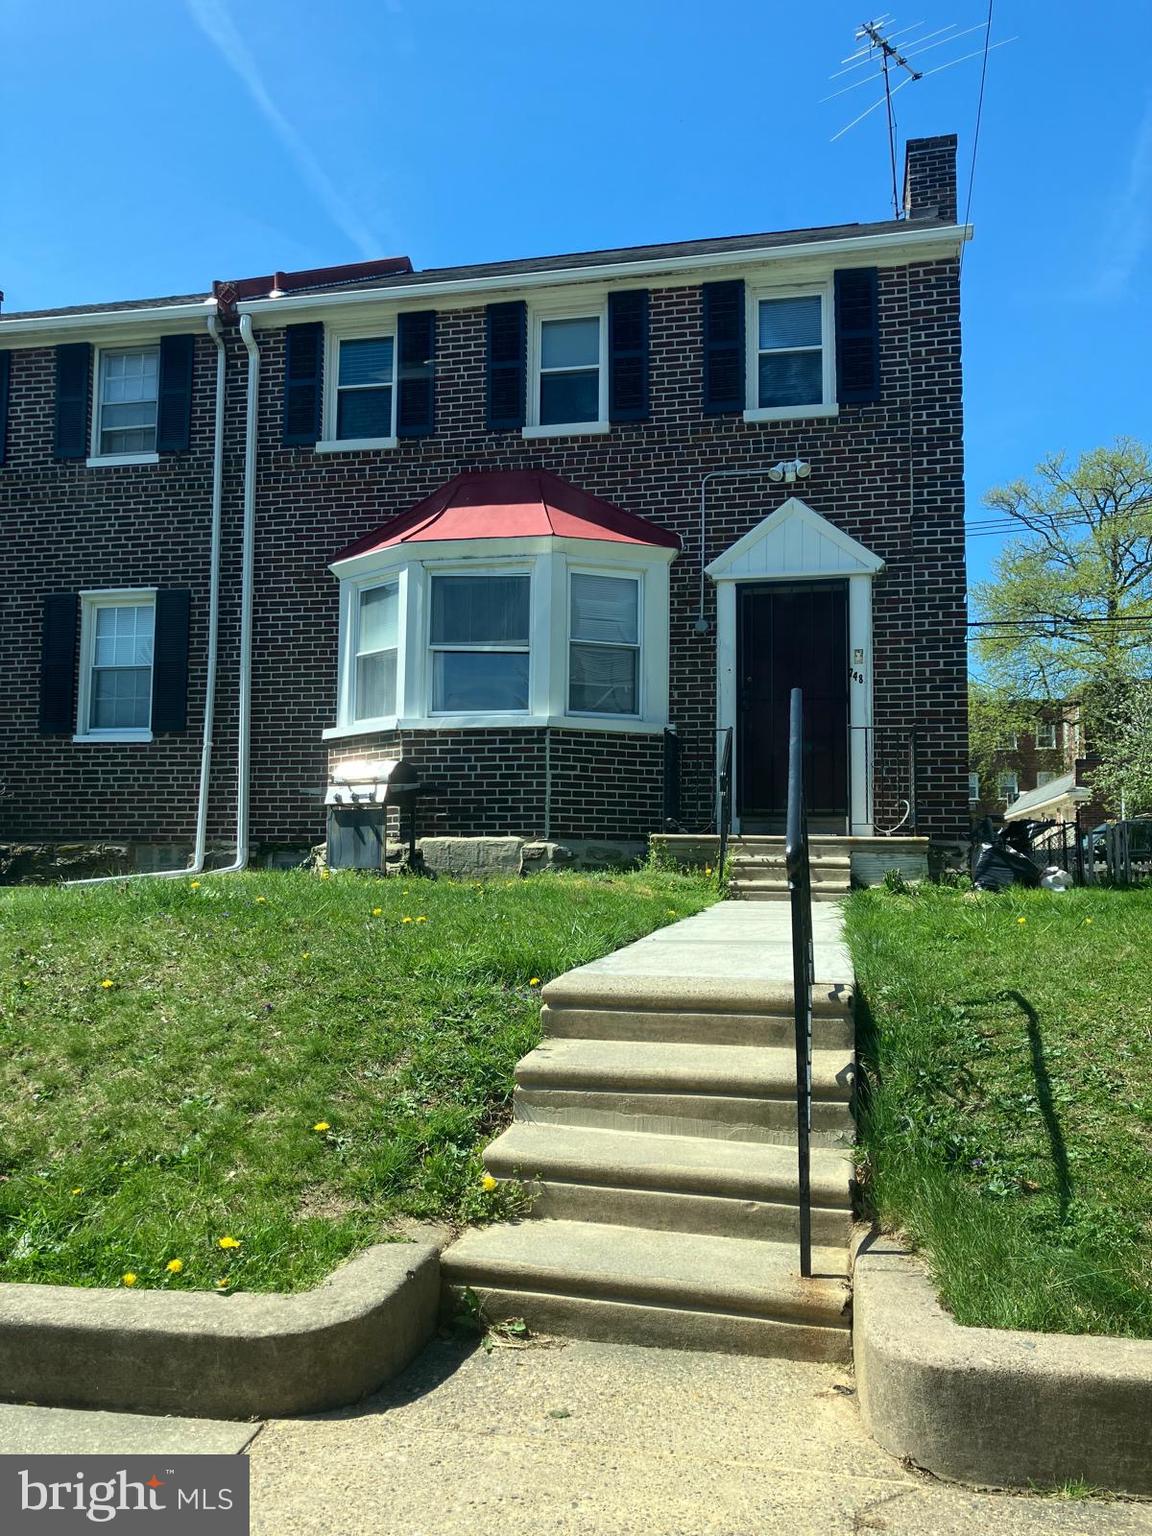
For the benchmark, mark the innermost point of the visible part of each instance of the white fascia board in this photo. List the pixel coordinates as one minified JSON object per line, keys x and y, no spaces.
{"x":906,"y":244}
{"x":489,"y":551}
{"x":159,"y":319}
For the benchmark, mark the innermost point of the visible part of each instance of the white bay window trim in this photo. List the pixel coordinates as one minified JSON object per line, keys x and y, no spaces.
{"x":549,"y":563}
{"x":380,"y":327}
{"x":827,"y":405}
{"x":91,"y":605}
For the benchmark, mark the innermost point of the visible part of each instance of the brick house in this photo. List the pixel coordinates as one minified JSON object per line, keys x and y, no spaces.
{"x":545,"y":529}
{"x":1042,"y":751}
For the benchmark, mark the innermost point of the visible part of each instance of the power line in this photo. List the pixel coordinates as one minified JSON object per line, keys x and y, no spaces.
{"x":976,"y":134}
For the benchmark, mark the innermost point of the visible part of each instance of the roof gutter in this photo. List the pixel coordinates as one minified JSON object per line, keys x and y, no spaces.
{"x":949,"y":238}
{"x":89,"y":319}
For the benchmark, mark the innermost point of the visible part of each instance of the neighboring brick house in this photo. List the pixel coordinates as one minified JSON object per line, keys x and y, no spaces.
{"x":1028,"y":758}
{"x":542,"y":527}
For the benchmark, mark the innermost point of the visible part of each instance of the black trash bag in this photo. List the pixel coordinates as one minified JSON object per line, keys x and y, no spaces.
{"x":999,"y":865}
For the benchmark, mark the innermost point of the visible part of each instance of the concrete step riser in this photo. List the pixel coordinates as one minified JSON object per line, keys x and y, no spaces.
{"x":613,"y":1321}
{"x":670,"y":1114}
{"x":770,"y":893}
{"x":778,"y":875}
{"x":828,"y":1031}
{"x":673,"y":1211}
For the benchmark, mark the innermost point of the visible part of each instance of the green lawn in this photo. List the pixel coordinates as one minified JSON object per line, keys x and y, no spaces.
{"x":1006,"y":1049}
{"x":292,"y":1062}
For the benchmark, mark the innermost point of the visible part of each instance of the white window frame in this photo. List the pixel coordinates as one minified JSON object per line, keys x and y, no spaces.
{"x":1052,"y":729}
{"x":1045,"y":776}
{"x":356,"y":653}
{"x":96,"y":458}
{"x":973,"y":789}
{"x":594,"y":309}
{"x":637,"y":577}
{"x":828,"y":405}
{"x":516,"y":568}
{"x":381,"y":327}
{"x":90,"y":603}
{"x":1004,"y":777}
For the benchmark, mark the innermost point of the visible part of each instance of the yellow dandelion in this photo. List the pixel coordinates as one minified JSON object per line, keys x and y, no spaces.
{"x":534,"y":981}
{"x":421,"y":919}
{"x":321,"y":1126}
{"x":306,"y":954}
{"x":174,"y":1266}
{"x":325,"y":874}
{"x":1021,"y":919}
{"x":1087,"y":919}
{"x":107,"y":982}
{"x":77,"y":1191}
{"x":405,"y":919}
{"x":128,"y":1279}
{"x":261,"y":901}
{"x":377,"y":911}
{"x":488,"y":1182}
{"x":195,"y":886}
{"x":228,"y":1242}
{"x":223,"y":1283}
{"x":707,"y":869}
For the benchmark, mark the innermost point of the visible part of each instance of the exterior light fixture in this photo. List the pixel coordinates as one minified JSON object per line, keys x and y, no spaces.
{"x":789,"y":470}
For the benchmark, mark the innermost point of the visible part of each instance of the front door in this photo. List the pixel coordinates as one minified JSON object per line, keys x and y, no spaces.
{"x":792,"y":635}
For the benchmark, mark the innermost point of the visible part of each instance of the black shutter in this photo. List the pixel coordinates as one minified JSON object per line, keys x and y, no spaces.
{"x":58,"y":663}
{"x":174,"y":409}
{"x":507,"y":365}
{"x":628,"y":355}
{"x":724,"y":363}
{"x":416,"y":373}
{"x":73,"y":373}
{"x":303,"y":373}
{"x":170,"y":662}
{"x":5,"y":375}
{"x":857,"y":336}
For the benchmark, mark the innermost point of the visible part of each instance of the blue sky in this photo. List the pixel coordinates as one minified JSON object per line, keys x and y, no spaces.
{"x":151,"y":145}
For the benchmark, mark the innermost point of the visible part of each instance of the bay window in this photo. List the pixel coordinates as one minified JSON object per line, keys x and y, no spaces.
{"x":376,"y":646}
{"x":604,"y":644}
{"x":479,"y":642}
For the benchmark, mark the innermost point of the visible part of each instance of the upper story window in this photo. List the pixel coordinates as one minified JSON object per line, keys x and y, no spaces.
{"x":365,"y":387}
{"x":790,"y":355}
{"x":1007,"y":741}
{"x":1008,"y":786}
{"x":479,"y":643}
{"x":973,"y":788}
{"x":126,"y":400}
{"x":604,"y":644}
{"x":377,"y":632}
{"x":569,"y":390}
{"x":1047,"y":734}
{"x":117,"y":632}
{"x":1043,"y":778}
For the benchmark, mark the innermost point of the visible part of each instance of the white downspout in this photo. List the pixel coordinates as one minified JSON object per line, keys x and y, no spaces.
{"x":247,"y":574}
{"x":199,"y":846}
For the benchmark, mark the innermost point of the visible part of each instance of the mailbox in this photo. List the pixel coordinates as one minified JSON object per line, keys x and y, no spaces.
{"x":358,"y":798}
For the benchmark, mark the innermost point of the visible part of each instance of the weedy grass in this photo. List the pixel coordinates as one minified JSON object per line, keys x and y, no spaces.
{"x":1006,"y":1098}
{"x":295,"y":1063}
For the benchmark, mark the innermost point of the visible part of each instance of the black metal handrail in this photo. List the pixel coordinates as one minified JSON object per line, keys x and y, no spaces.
{"x":803,"y":972}
{"x":724,"y":799}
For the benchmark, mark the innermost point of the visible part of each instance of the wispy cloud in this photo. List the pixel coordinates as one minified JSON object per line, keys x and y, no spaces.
{"x":1129,"y":226}
{"x":215,"y":20}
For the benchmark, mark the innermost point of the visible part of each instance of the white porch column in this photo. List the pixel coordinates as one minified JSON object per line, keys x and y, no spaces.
{"x":861,"y":749}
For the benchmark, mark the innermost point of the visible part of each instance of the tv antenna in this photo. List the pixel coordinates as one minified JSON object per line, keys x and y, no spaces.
{"x":895,"y":48}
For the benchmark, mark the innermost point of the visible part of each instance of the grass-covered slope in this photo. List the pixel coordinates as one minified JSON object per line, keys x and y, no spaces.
{"x":1006,"y":1046}
{"x":289,"y":1062}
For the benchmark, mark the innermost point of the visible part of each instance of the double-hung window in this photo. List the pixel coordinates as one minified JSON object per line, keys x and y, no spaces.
{"x":377,"y":630}
{"x":126,"y":401}
{"x":790,"y":362}
{"x":604,"y":645}
{"x":1047,"y":735}
{"x":365,"y":387}
{"x":973,"y":788}
{"x":479,"y":643}
{"x":1008,"y":786}
{"x":117,"y":634}
{"x":570,"y":383}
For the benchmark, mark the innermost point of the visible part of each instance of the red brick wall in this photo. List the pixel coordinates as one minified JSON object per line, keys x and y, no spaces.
{"x":890,"y":474}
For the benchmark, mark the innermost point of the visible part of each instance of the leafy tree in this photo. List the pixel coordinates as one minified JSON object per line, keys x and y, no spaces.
{"x":1124,"y":776}
{"x":993,"y":718}
{"x":1072,"y":592}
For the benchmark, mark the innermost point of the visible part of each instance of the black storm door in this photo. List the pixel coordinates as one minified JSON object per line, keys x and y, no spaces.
{"x":792,"y":635}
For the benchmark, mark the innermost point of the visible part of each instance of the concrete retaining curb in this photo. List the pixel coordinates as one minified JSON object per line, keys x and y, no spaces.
{"x":227,"y":1357}
{"x":995,"y":1406}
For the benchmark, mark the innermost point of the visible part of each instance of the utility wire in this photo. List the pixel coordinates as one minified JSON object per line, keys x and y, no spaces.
{"x":976,"y":134}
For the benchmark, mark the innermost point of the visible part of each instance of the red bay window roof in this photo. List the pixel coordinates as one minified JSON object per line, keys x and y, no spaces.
{"x":511,"y":504}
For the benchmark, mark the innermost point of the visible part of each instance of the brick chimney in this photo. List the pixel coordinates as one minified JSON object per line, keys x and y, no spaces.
{"x":930,"y":178}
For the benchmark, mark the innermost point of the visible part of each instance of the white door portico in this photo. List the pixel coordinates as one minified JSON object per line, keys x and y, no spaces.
{"x":796,"y":543}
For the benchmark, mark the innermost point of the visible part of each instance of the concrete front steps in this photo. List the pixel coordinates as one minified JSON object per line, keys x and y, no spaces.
{"x":757,"y":870}
{"x":655,"y":1129}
